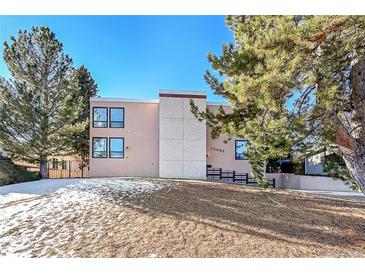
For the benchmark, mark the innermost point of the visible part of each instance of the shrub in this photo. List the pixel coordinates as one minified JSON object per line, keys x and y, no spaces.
{"x":12,"y":173}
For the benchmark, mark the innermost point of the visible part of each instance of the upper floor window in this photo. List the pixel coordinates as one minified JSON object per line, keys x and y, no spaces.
{"x":116,"y":147}
{"x":116,"y":118}
{"x":99,"y":147}
{"x":241,"y":149}
{"x":100,"y":117}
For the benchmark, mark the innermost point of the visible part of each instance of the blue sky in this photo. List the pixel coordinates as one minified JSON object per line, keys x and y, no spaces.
{"x":134,"y":56}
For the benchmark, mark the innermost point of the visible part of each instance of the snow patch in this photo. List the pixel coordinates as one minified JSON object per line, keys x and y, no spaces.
{"x":41,"y":218}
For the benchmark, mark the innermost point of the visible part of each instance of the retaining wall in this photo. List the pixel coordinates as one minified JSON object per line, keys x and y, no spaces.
{"x":305,"y":182}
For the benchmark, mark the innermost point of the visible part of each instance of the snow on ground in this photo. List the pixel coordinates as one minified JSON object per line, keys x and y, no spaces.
{"x":15,"y":192}
{"x":41,"y":218}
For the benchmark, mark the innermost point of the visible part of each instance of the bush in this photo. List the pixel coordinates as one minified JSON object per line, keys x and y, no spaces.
{"x":12,"y":173}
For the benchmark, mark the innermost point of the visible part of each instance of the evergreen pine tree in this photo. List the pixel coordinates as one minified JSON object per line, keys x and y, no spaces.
{"x":34,"y":103}
{"x":78,"y":130}
{"x":295,"y":83}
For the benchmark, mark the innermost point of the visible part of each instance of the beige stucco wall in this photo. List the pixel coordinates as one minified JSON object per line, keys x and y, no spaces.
{"x":222,"y":155}
{"x":182,"y":139}
{"x":140,"y":141}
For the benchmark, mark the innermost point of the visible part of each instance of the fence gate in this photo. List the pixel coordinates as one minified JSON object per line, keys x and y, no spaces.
{"x":58,"y":169}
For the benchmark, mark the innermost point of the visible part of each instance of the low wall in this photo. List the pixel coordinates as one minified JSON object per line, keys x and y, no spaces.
{"x":304,"y":182}
{"x":323,"y":183}
{"x":277,"y":177}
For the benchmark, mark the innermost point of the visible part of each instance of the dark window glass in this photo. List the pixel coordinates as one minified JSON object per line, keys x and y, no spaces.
{"x":100,"y":117}
{"x":241,"y":149}
{"x":63,"y":164}
{"x":117,"y":117}
{"x":54,"y":163}
{"x":116,"y":149}
{"x":99,"y":147}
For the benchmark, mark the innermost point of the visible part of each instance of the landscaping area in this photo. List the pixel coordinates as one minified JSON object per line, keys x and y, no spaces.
{"x":125,"y":217}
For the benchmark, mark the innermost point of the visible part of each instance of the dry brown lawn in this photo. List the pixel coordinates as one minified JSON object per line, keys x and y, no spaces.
{"x":221,"y":220}
{"x":206,"y":219}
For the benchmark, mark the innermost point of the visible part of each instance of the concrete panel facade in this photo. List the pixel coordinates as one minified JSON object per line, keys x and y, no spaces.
{"x":171,"y":169}
{"x":182,"y":138}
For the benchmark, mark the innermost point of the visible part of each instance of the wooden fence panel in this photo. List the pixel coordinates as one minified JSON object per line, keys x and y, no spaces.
{"x":67,"y":169}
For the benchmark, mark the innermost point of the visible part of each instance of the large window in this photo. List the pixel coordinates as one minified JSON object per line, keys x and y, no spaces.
{"x":116,"y":117}
{"x":241,"y":149}
{"x":100,"y":117}
{"x":99,"y":147}
{"x":116,"y":147}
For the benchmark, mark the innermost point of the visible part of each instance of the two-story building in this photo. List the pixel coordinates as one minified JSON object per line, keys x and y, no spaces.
{"x":158,"y":138}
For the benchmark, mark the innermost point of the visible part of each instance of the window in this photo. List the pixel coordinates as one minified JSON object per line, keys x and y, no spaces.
{"x":63,"y":163}
{"x":241,"y":149}
{"x":54,"y":163}
{"x":99,"y":147}
{"x":116,"y":147}
{"x":100,"y":117}
{"x":116,"y":117}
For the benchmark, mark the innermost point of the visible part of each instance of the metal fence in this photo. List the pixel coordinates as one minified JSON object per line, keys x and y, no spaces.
{"x":67,"y":169}
{"x":233,"y":176}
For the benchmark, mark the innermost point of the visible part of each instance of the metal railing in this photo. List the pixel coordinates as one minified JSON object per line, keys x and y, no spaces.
{"x":214,"y":173}
{"x":236,"y":177}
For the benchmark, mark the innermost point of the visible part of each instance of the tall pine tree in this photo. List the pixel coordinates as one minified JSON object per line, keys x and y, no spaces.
{"x":34,"y":103}
{"x":294,"y":83}
{"x":78,"y":130}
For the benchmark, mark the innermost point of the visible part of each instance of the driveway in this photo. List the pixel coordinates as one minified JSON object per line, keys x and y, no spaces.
{"x":352,"y":195}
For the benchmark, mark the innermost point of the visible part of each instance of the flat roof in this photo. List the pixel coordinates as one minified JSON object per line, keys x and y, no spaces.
{"x":153,"y":101}
{"x":123,"y":100}
{"x":182,"y":92}
{"x":217,"y":104}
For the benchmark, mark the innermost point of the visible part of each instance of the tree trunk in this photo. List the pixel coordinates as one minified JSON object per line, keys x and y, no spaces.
{"x":356,"y":165}
{"x":352,"y":139}
{"x":43,"y":167}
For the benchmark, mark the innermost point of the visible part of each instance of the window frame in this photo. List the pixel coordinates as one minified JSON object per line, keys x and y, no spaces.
{"x":110,"y":117}
{"x":235,"y":150}
{"x":116,"y":138}
{"x":106,"y":149}
{"x":107,"y":117}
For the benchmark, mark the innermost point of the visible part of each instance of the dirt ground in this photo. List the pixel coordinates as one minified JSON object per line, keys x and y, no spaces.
{"x":206,"y":219}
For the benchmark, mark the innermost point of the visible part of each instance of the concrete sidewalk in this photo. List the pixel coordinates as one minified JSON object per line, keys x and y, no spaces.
{"x":338,"y":194}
